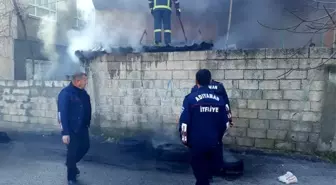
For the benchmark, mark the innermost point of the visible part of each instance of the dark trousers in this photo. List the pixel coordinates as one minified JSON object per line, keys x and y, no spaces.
{"x":202,"y":160}
{"x":162,"y":17}
{"x":77,"y":148}
{"x":218,"y":160}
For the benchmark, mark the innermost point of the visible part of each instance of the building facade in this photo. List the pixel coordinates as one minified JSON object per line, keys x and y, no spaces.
{"x":23,"y":36}
{"x":30,"y":45}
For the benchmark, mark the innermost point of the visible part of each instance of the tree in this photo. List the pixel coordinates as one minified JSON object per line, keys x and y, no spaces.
{"x":313,"y":17}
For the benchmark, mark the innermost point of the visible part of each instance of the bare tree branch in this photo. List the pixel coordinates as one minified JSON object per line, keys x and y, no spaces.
{"x":319,"y":20}
{"x":329,"y":15}
{"x":322,"y":24}
{"x":324,"y":21}
{"x":326,"y":2}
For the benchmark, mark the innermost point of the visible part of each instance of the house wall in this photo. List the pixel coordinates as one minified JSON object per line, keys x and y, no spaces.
{"x":141,"y":92}
{"x":24,"y":50}
{"x":31,"y":25}
{"x":19,"y":39}
{"x":28,"y":45}
{"x":7,"y":33}
{"x":119,"y":27}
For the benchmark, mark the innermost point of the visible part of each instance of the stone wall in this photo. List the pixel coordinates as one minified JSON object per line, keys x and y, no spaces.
{"x":276,"y":94}
{"x":281,"y":99}
{"x":29,"y":105}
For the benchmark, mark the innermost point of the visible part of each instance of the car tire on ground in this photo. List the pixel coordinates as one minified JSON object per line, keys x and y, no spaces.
{"x":172,"y":152}
{"x":133,"y":145}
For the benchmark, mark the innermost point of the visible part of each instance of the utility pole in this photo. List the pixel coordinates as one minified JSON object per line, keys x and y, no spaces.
{"x":229,"y":23}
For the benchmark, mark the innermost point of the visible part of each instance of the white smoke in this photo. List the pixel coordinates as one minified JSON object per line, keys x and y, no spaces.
{"x":106,"y":29}
{"x":83,"y":39}
{"x":113,"y":27}
{"x":47,"y":33}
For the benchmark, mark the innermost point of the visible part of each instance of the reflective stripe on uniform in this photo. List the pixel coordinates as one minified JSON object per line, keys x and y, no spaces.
{"x":167,"y":31}
{"x":157,"y":30}
{"x":162,"y":6}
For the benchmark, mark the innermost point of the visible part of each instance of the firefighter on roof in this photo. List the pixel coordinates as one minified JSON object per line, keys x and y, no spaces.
{"x":161,"y":11}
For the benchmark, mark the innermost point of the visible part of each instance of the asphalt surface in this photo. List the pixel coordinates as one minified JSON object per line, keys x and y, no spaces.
{"x":39,"y":160}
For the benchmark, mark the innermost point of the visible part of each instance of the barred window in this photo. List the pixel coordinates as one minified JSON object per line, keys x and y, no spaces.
{"x":79,"y":19}
{"x":41,"y":8}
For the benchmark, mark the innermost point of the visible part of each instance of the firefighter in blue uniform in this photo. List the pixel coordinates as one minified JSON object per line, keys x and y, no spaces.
{"x":218,"y":88}
{"x":202,"y":124}
{"x":161,"y":11}
{"x":74,"y":116}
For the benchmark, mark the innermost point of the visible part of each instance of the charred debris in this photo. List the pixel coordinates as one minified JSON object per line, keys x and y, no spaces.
{"x":87,"y":56}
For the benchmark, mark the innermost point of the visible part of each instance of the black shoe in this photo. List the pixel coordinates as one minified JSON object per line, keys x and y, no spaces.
{"x":72,"y":183}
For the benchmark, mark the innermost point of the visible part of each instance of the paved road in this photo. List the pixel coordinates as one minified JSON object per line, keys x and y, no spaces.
{"x":37,"y":160}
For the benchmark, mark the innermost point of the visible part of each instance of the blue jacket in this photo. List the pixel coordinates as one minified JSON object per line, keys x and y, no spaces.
{"x":219,"y":89}
{"x":74,"y":109}
{"x":206,"y":117}
{"x":163,"y":4}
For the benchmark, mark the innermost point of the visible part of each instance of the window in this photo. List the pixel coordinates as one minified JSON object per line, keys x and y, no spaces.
{"x":79,"y":19}
{"x":41,"y":8}
{"x":37,"y":70}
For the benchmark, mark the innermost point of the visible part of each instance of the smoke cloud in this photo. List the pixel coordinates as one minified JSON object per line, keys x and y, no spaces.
{"x":83,"y":39}
{"x":122,"y":23}
{"x":246,"y":32}
{"x":47,"y":33}
{"x":51,"y":33}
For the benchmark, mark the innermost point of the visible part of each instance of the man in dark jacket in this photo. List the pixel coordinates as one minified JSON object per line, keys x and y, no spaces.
{"x":161,"y":11}
{"x":218,"y":89}
{"x":74,"y":115}
{"x":202,"y":124}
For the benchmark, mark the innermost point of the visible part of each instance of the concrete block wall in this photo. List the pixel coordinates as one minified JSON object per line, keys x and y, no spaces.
{"x":281,"y":99}
{"x":276,"y":94}
{"x":29,"y":105}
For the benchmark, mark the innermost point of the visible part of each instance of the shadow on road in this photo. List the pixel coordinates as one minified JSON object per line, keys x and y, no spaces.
{"x":150,"y":153}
